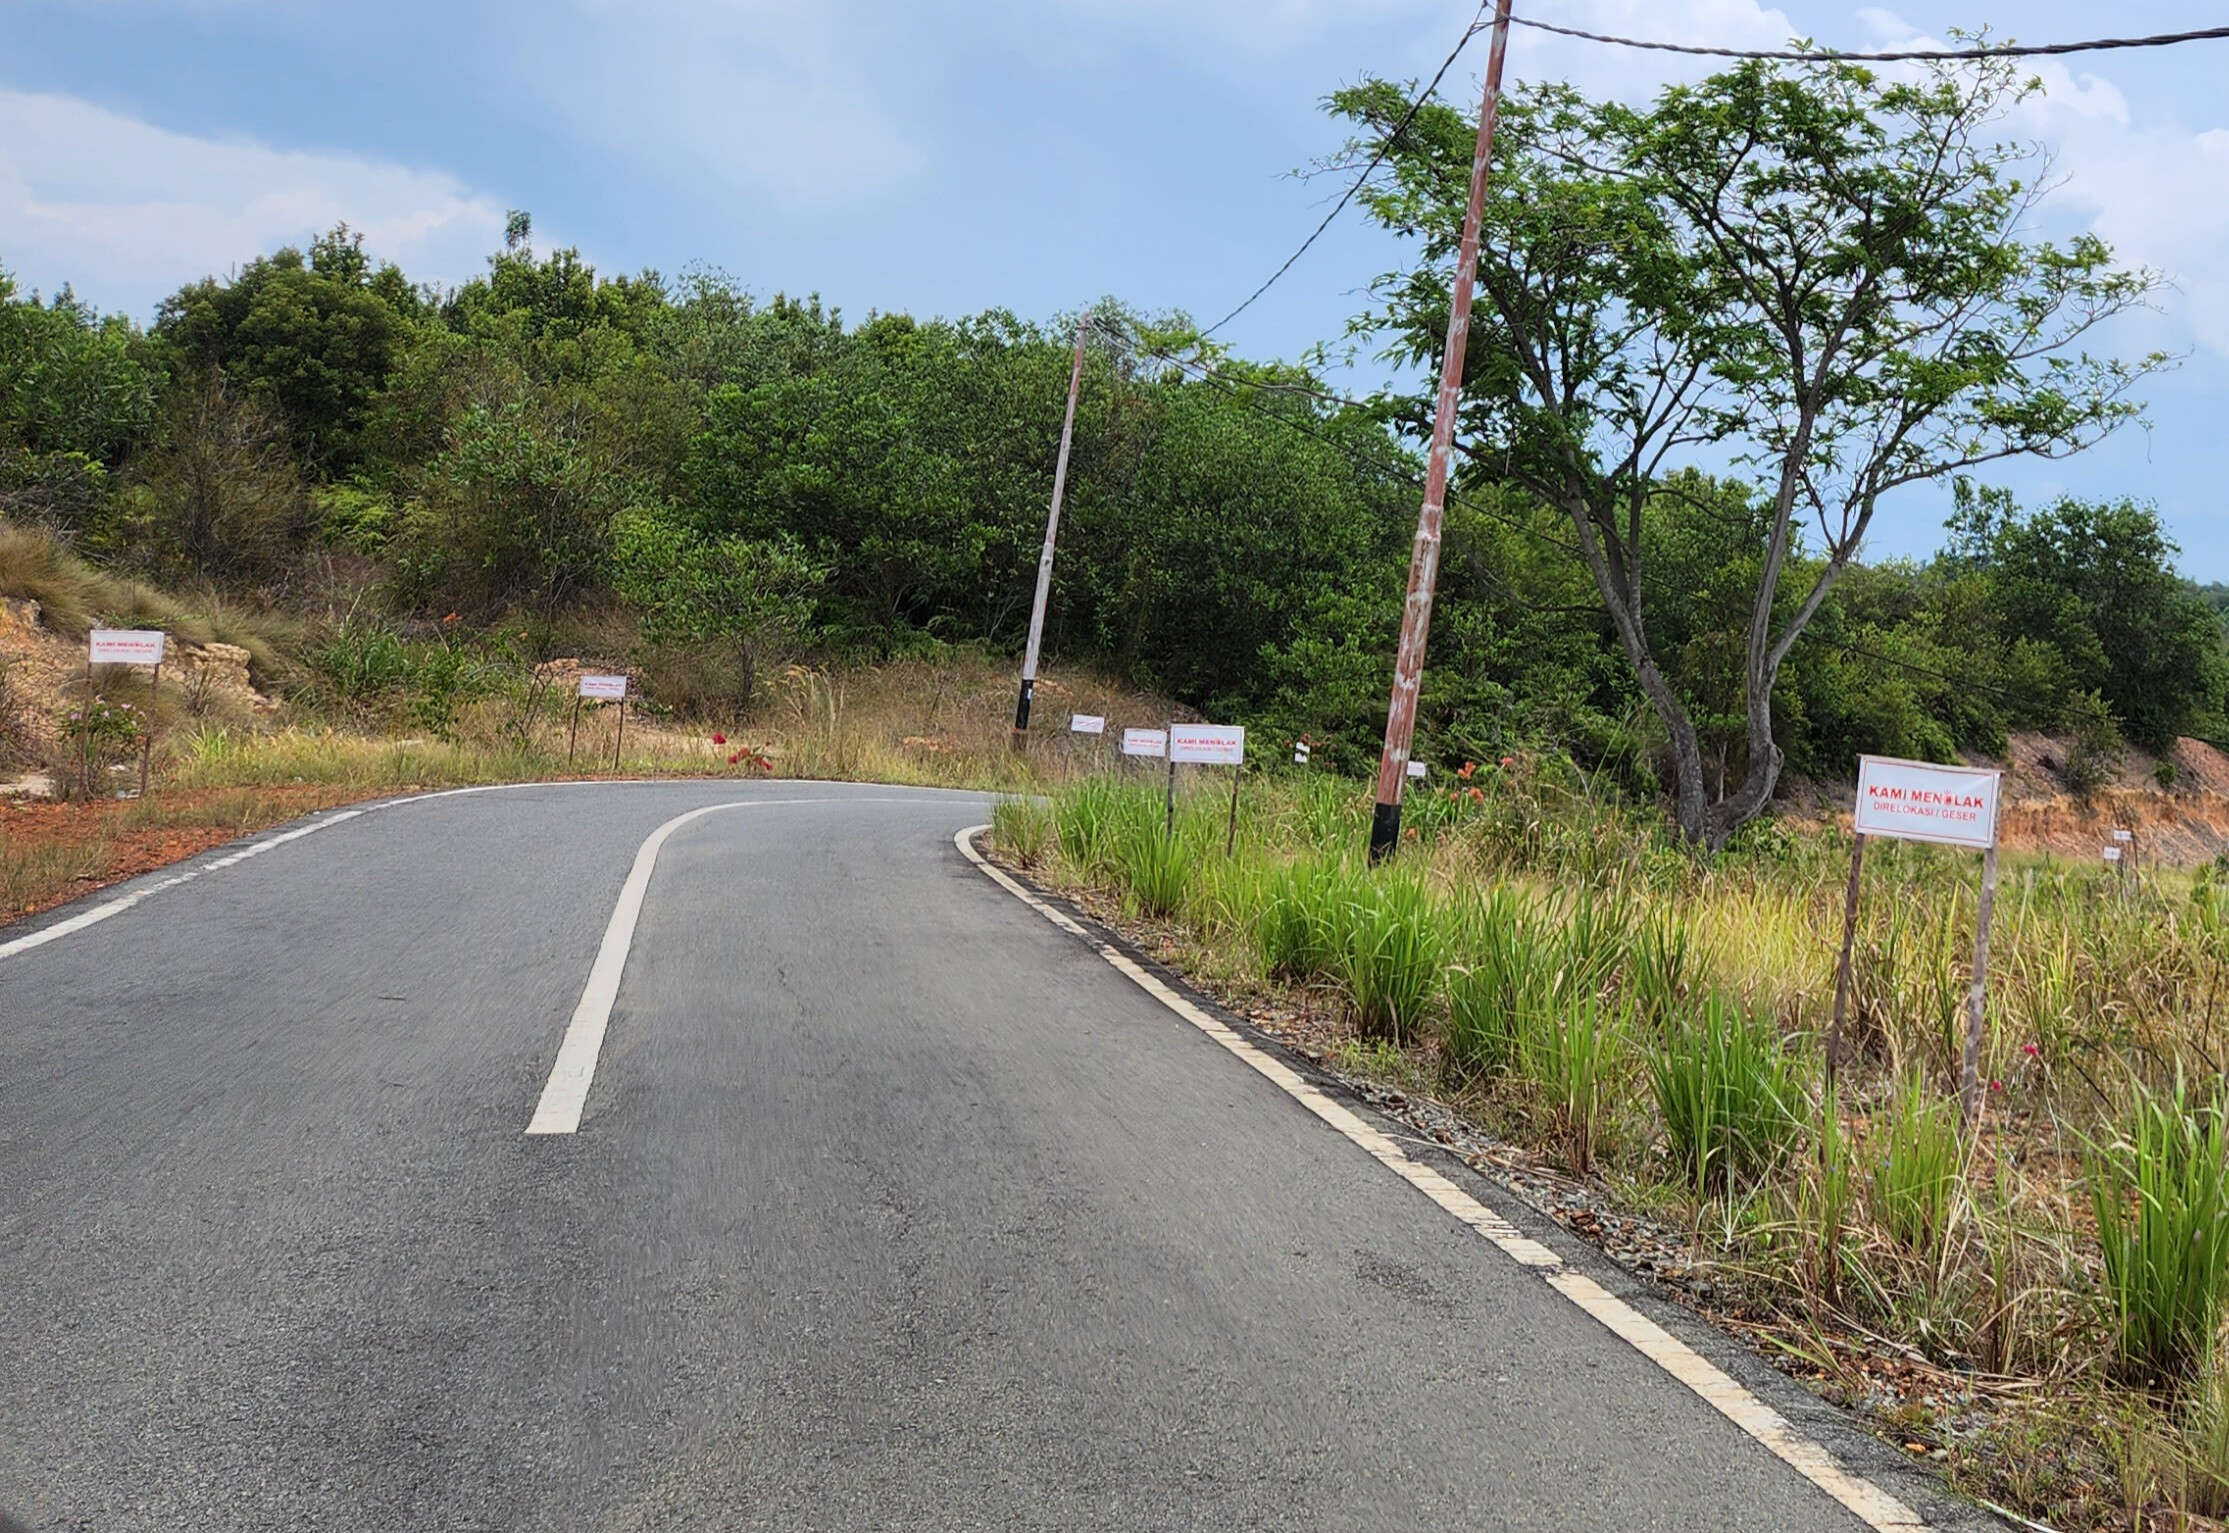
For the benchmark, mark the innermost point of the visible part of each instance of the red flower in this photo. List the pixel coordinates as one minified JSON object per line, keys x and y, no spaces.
{"x":1478,"y":795}
{"x":1509,"y":761}
{"x":2031,"y":1051}
{"x":451,"y":618}
{"x":732,"y":760}
{"x":1466,"y":769}
{"x":1996,"y":1085}
{"x":719,"y":739}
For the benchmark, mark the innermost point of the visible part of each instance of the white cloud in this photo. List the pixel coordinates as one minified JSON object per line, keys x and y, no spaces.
{"x":767,"y":96}
{"x":126,"y":211}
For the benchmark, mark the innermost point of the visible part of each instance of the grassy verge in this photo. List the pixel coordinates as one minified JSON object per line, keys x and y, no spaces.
{"x":2032,"y":1302}
{"x":930,"y":723}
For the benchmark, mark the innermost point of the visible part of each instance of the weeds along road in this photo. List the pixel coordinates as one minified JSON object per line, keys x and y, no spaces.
{"x":891,"y":1206}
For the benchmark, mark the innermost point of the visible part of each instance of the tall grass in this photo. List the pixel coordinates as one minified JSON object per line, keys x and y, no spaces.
{"x":1022,"y":828}
{"x":1296,"y":925}
{"x":1728,"y":1096}
{"x":1654,"y":1018}
{"x":1575,"y":1054}
{"x":2160,"y":1191}
{"x":1505,"y":977}
{"x":1916,"y":1169}
{"x":1390,"y":952}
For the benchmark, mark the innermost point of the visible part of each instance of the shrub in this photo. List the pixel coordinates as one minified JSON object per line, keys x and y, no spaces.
{"x":1156,"y":867}
{"x":2093,"y":742}
{"x":1915,"y":1178}
{"x":1509,"y":976}
{"x":1390,"y":956}
{"x":2161,"y":1195}
{"x":1296,"y":928}
{"x":1573,"y":1052}
{"x":1088,"y":816}
{"x":1022,"y":828}
{"x":1727,"y":1094}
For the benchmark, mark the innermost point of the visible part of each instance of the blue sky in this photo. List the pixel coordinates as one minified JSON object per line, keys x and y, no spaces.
{"x":1033,"y":154}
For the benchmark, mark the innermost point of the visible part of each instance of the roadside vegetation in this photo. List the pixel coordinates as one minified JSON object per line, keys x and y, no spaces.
{"x":2038,"y":1300}
{"x":387,"y":525}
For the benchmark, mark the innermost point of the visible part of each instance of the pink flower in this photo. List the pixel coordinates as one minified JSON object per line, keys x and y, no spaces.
{"x":1996,"y":1085}
{"x":1509,"y":761}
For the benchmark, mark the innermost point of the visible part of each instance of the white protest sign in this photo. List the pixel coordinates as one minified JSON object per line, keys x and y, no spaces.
{"x":611,"y":688}
{"x":1919,"y":801}
{"x":2124,"y":835}
{"x":127,"y":646}
{"x":1208,"y":744}
{"x":2112,"y":854}
{"x":1416,"y":769}
{"x":1145,"y":742}
{"x":1300,"y":752}
{"x":1087,"y":724}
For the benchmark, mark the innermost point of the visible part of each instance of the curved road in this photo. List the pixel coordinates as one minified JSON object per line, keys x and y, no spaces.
{"x":891,"y":1206}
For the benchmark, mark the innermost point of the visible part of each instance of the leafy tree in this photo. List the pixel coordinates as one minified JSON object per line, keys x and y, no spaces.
{"x":315,"y":337}
{"x":749,"y":596}
{"x":1814,"y":270}
{"x":2097,"y":583}
{"x":218,"y":493}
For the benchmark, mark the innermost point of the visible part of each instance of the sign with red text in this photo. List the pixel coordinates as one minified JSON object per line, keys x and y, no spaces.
{"x":126,"y":646}
{"x":1145,"y":742}
{"x":1919,"y":801}
{"x":1208,"y":744}
{"x":610,"y":688}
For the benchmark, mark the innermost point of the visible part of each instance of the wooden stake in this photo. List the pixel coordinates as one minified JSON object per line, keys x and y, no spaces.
{"x":1842,"y":966}
{"x":1969,"y":1076}
{"x":1170,"y":826}
{"x":572,"y":736}
{"x":147,"y":736}
{"x":621,"y":738}
{"x":1230,"y":837}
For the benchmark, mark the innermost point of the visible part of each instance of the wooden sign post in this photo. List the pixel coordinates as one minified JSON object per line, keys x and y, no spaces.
{"x":1088,"y":724}
{"x":1152,"y":744}
{"x":609,"y":689}
{"x":125,"y":646}
{"x":1953,"y":806}
{"x":1208,"y":745}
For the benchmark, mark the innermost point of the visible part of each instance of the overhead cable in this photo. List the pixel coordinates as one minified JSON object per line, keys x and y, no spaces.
{"x":1889,"y":56}
{"x":1385,"y":147}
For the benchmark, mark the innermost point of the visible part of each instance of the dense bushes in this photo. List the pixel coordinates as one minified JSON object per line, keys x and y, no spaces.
{"x":751,"y":480}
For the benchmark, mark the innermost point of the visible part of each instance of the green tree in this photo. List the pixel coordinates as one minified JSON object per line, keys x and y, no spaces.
{"x":2097,"y":583}
{"x":316,"y":337}
{"x":748,"y":596}
{"x":1815,"y":270}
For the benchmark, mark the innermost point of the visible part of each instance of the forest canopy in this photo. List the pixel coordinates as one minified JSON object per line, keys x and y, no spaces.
{"x":764,"y":478}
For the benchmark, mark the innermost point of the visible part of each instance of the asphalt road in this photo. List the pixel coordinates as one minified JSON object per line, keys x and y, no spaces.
{"x":892,"y":1207}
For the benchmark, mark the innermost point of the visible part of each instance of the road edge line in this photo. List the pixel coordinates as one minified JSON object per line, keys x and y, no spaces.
{"x":1860,"y":1497}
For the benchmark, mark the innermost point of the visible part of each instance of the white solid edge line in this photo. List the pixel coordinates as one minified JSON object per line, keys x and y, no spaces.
{"x":117,"y":906}
{"x":565,"y":1094}
{"x":1864,"y":1500}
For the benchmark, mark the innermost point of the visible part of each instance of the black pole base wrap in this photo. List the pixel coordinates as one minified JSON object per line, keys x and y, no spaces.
{"x":1385,"y":832}
{"x":1021,"y":707}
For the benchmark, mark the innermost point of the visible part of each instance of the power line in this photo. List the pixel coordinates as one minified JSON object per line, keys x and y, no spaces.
{"x":1385,"y":147}
{"x":1901,"y":55}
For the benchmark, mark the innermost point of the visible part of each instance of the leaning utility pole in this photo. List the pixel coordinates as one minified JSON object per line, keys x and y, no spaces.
{"x":1052,"y":531}
{"x":1424,"y":561}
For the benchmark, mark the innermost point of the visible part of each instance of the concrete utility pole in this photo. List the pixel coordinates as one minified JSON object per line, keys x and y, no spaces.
{"x":1424,"y":561}
{"x":1052,"y":532}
